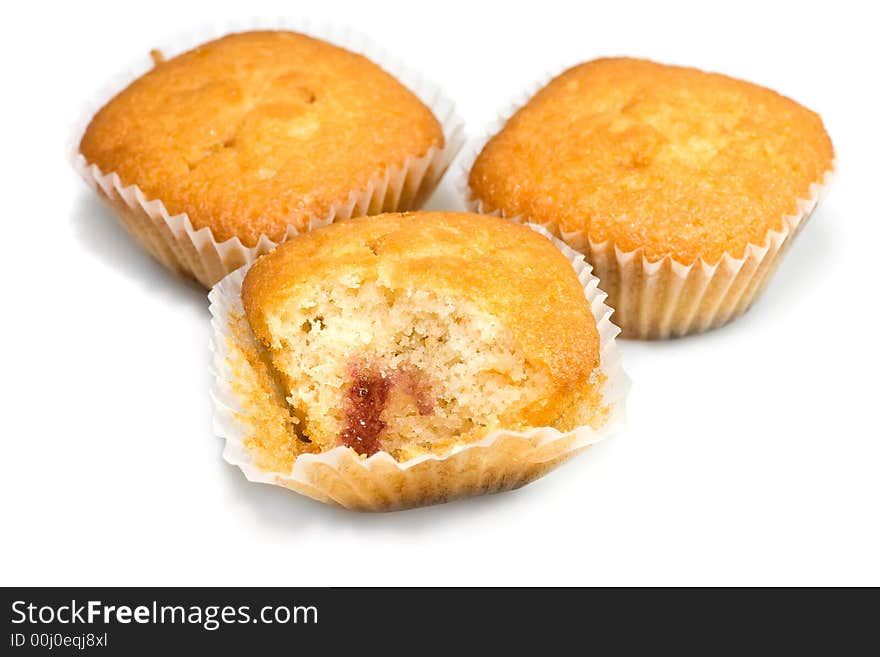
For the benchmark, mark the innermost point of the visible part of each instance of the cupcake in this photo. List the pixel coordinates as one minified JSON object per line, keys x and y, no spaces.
{"x":214,"y":156}
{"x":682,"y":188}
{"x":409,"y":359}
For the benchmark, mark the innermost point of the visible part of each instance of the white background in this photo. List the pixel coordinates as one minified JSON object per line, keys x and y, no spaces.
{"x":752,"y":454}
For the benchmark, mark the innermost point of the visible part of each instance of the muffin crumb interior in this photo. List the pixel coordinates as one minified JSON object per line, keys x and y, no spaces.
{"x":394,"y":370}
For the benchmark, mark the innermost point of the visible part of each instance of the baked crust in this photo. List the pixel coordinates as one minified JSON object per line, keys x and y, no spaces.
{"x":671,"y":160}
{"x":508,"y":271}
{"x":255,"y":131}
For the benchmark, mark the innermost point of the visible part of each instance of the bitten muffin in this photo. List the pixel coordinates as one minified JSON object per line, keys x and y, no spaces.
{"x":257,"y":133}
{"x":414,"y":335}
{"x":658,"y":174}
{"x":407,"y":333}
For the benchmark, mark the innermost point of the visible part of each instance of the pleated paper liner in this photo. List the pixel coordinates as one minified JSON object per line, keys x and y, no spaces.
{"x":501,"y":461}
{"x":196,"y":254}
{"x":663,"y":298}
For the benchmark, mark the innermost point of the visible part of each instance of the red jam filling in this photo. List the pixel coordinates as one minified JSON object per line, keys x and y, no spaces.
{"x":366,"y":401}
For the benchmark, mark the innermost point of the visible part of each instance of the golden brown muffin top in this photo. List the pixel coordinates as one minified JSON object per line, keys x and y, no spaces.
{"x":508,"y":271}
{"x":255,"y":131}
{"x":672,"y":160}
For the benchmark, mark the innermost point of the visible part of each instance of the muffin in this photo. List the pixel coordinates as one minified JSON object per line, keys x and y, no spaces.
{"x":215,"y":155}
{"x":681,"y":187}
{"x":364,"y":358}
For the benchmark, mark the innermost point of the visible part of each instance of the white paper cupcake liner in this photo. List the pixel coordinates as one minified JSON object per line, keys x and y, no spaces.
{"x":502,"y":460}
{"x":662,"y":298}
{"x":172,"y":240}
